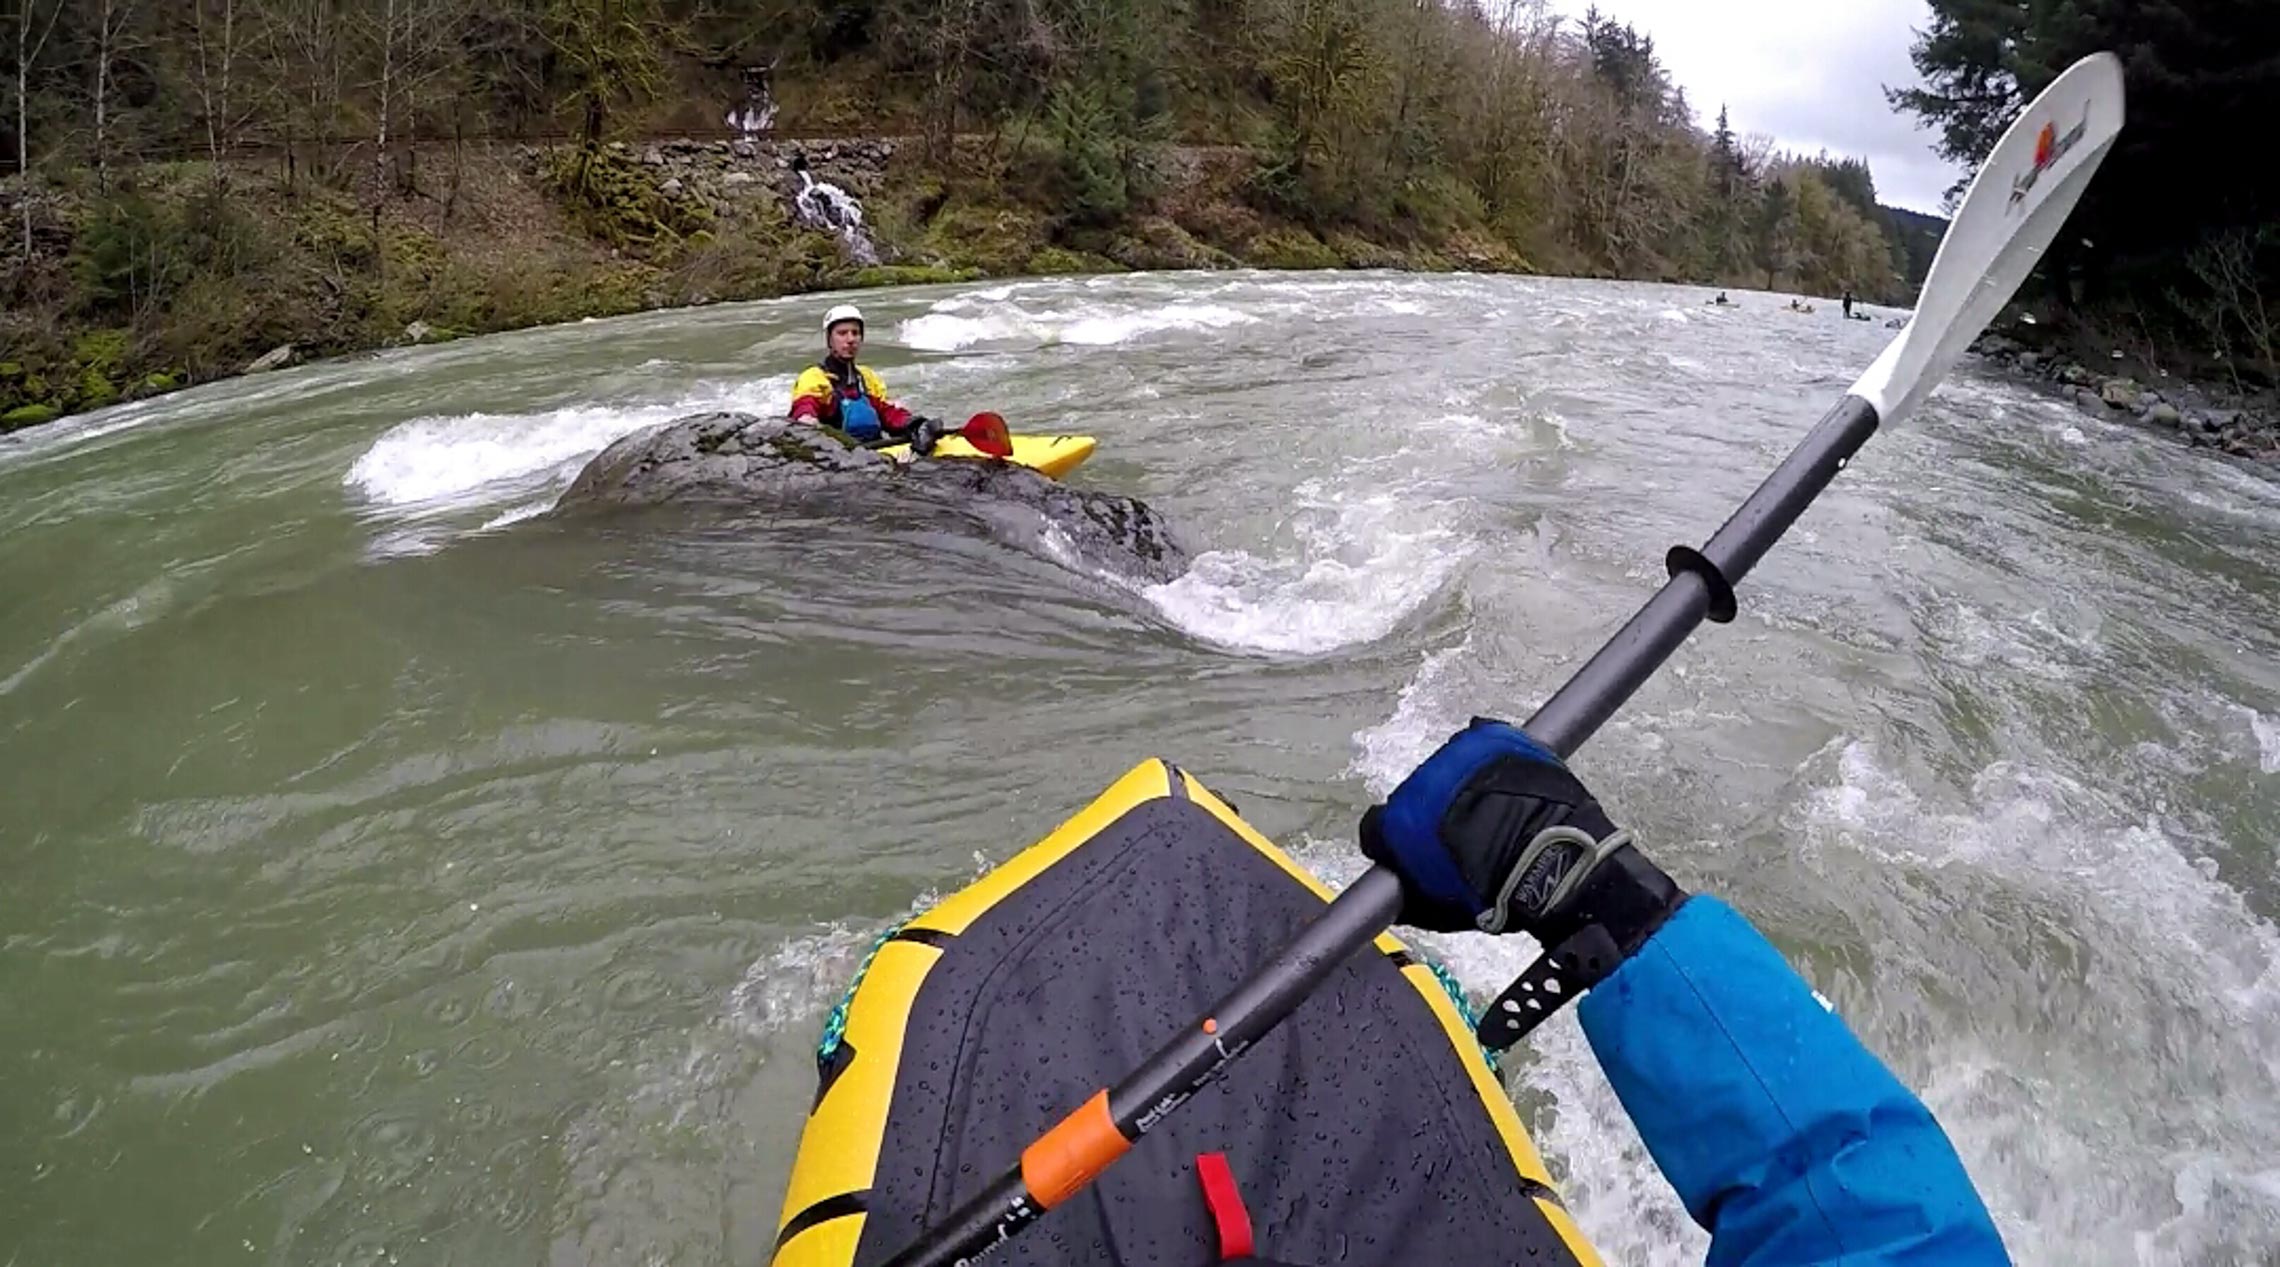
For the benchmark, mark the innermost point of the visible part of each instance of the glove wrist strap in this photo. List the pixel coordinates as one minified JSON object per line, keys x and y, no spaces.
{"x":1582,"y":961}
{"x":1618,"y":905}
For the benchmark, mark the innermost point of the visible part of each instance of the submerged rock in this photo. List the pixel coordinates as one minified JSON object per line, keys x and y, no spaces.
{"x":744,"y":460}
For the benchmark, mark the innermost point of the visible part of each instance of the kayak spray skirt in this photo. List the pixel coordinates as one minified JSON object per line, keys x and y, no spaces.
{"x":1367,"y":1129}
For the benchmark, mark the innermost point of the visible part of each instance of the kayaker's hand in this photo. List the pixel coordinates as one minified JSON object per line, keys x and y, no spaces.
{"x":1493,"y":832}
{"x":924,"y":432}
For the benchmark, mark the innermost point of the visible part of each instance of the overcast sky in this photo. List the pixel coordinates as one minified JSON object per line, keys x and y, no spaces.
{"x":1809,"y":73}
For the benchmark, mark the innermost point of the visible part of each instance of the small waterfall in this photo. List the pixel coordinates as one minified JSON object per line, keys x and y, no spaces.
{"x":824,"y":205}
{"x":753,"y":119}
{"x":756,"y":114}
{"x":819,"y":203}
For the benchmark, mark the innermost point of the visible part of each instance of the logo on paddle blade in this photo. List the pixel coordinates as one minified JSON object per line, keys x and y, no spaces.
{"x":2051,"y":145}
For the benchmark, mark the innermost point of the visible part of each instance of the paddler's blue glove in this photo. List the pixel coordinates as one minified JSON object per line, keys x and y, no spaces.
{"x":1494,"y":833}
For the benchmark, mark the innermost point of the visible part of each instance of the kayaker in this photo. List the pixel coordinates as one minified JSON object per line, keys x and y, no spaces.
{"x":838,"y":393}
{"x":1788,"y":1141}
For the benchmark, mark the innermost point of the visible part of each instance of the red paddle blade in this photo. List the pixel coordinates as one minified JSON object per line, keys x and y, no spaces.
{"x":986,"y":432}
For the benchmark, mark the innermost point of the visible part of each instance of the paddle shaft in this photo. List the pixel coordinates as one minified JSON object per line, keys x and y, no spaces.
{"x":1072,"y":1153}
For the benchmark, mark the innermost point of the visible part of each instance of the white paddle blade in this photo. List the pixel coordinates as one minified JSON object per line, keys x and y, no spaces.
{"x":2014,"y":208}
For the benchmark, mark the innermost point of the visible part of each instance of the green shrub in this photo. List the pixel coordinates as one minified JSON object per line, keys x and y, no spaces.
{"x":996,"y":240}
{"x":101,"y":350}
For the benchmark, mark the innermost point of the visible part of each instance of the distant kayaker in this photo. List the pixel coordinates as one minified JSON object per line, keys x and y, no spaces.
{"x":850,"y":398}
{"x":1788,"y":1141}
{"x":1721,"y":301}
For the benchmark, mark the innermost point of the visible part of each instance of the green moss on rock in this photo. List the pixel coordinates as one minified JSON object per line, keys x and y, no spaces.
{"x":1157,"y":243}
{"x":28,"y":416}
{"x":1291,"y":248}
{"x":910,"y":275}
{"x":1483,"y":253}
{"x":1063,"y":262}
{"x":1359,"y":252}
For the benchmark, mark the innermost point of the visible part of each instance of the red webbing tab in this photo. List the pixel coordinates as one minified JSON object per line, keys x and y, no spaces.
{"x":1226,"y":1204}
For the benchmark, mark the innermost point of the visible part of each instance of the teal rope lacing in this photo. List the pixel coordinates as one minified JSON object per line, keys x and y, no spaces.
{"x":835,"y":1025}
{"x":1456,"y":992}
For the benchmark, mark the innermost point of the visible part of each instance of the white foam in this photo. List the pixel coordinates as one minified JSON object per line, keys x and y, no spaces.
{"x":528,"y":510}
{"x":943,"y":329}
{"x":1605,"y":1176}
{"x":2062,"y":1145}
{"x":2041,"y":1147}
{"x":445,"y":461}
{"x":1422,"y":718}
{"x":1318,"y":600}
{"x":802,"y":979}
{"x":2040,"y":644}
{"x":1061,"y":547}
{"x":2267,"y":731}
{"x":442,"y":459}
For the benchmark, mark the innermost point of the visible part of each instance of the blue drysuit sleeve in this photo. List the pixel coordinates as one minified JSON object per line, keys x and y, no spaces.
{"x":1786,"y":1138}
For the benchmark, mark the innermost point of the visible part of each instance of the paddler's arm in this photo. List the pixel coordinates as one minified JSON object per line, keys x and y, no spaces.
{"x":810,"y":392}
{"x":1785,"y":1137}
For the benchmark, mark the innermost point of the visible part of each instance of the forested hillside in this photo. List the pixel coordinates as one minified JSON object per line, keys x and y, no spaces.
{"x":203,"y":179}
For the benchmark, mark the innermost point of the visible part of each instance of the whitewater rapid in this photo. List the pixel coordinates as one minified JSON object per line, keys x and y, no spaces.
{"x":510,"y":867}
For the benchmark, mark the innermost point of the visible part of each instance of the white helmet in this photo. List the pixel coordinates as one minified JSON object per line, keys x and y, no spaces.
{"x":842,"y":312}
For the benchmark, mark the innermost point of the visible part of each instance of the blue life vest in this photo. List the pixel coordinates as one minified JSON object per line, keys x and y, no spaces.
{"x":858,"y":417}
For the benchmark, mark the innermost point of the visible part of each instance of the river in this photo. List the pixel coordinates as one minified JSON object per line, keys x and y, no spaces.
{"x":397,"y":877}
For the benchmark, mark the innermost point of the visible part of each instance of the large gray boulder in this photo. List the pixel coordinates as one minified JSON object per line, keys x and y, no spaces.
{"x":742,"y":460}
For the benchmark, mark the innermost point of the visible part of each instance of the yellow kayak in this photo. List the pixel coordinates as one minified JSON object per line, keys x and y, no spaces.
{"x":1050,"y":456}
{"x":970,"y":1025}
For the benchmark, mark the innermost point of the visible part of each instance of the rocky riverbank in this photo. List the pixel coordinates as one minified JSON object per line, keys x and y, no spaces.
{"x":2243,"y":425}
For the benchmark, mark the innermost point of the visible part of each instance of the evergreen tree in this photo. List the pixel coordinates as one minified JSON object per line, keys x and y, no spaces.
{"x":2184,"y":173}
{"x":1725,"y":160}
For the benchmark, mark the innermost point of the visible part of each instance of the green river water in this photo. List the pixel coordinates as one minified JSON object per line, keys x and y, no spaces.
{"x":395,"y":876}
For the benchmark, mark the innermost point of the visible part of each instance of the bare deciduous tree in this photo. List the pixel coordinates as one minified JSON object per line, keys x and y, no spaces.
{"x":28,"y":51}
{"x":217,"y":44}
{"x":113,"y":19}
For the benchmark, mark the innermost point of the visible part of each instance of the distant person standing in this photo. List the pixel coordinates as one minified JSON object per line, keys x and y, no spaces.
{"x":1848,"y":301}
